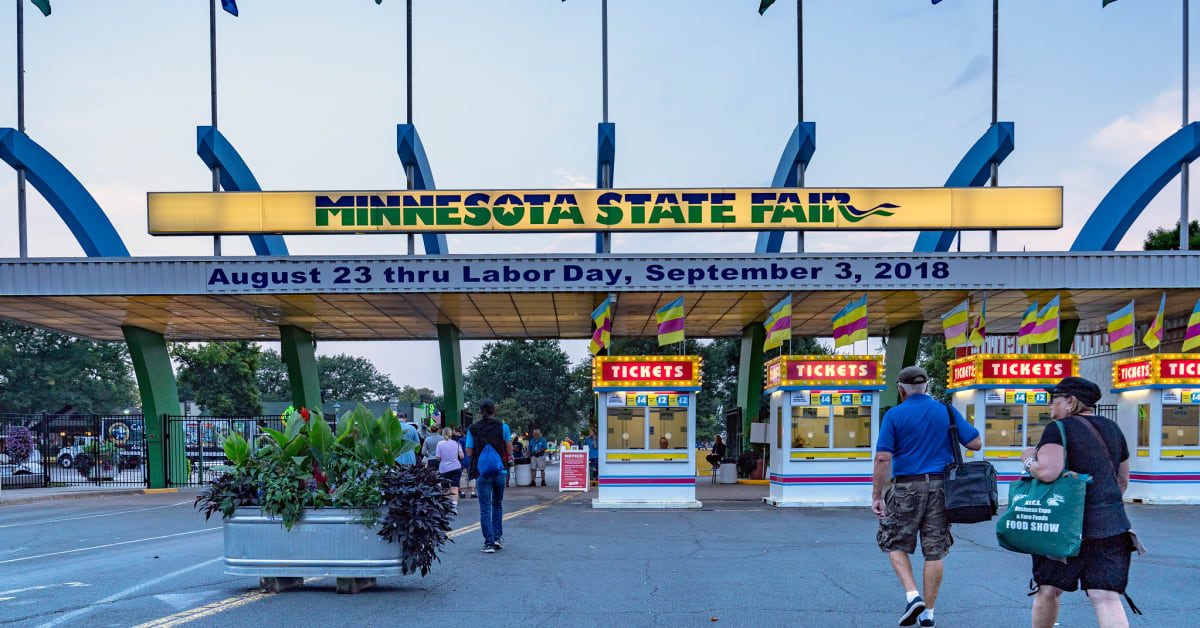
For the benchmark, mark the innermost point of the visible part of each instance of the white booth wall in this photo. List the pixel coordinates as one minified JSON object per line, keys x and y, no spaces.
{"x":635,"y":471}
{"x":1161,"y":428}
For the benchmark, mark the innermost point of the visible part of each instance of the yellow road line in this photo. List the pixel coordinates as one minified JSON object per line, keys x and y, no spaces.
{"x":240,"y":600}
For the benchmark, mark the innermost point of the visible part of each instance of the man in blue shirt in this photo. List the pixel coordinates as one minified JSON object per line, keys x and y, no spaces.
{"x":408,"y":432}
{"x":913,"y":450}
{"x":537,"y":457}
{"x":593,"y":454}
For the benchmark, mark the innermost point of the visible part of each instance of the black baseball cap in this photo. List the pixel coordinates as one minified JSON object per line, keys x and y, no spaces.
{"x":1082,"y":389}
{"x":913,"y":375}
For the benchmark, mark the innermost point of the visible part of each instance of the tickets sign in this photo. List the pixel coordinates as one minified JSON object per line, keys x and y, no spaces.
{"x":643,"y":371}
{"x":1026,"y":369}
{"x":824,"y":370}
{"x":700,"y":209}
{"x":1165,"y":369}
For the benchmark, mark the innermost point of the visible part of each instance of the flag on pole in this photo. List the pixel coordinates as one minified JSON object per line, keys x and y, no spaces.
{"x":670,"y":322}
{"x":779,"y":324}
{"x":1028,"y":322}
{"x":1046,"y":327}
{"x":1105,"y":3}
{"x":763,"y":5}
{"x":230,"y":7}
{"x":42,"y":5}
{"x":1120,"y":328}
{"x":1192,"y":339}
{"x":955,"y":324}
{"x":1154,"y":335}
{"x":602,"y":316}
{"x":850,"y":324}
{"x":979,"y":326}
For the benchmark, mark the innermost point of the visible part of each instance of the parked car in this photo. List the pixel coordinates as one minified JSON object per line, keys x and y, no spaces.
{"x":66,"y":455}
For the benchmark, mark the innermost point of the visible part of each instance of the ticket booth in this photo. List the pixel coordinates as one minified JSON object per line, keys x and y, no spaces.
{"x":647,"y":431}
{"x":824,"y":421}
{"x":1004,"y":397}
{"x":1158,"y":409}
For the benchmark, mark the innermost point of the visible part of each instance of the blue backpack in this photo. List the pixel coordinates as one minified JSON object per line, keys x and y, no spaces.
{"x":490,"y":462}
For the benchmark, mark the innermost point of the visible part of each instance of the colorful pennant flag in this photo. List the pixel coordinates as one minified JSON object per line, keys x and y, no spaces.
{"x":979,"y":326}
{"x":230,"y":6}
{"x":602,"y":317}
{"x":1105,"y":3}
{"x":850,"y":324}
{"x":779,"y":324}
{"x":1028,"y":322}
{"x":1045,"y":329}
{"x":1192,"y":339}
{"x":1154,"y":335}
{"x":1120,"y":328}
{"x":670,"y":322}
{"x":42,"y":5}
{"x":763,"y":5}
{"x":955,"y":324}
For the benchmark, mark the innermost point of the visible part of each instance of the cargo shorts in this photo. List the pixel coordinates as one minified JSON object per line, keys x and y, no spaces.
{"x":916,"y":509}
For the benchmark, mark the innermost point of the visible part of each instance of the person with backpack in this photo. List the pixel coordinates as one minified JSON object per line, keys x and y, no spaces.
{"x":489,"y":446}
{"x":1095,"y":446}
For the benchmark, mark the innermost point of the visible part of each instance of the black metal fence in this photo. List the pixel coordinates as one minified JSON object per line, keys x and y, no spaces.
{"x":194,"y":444}
{"x":72,"y":449}
{"x":1109,"y":411}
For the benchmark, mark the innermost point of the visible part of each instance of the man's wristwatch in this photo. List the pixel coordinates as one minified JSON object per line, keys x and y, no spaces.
{"x":1028,"y":462}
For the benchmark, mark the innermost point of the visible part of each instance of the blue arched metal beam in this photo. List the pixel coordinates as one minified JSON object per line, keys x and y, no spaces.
{"x":799,"y":150}
{"x":216,"y":152}
{"x":412,"y":153}
{"x":1125,"y":201}
{"x":68,"y":197}
{"x":972,"y":171}
{"x":606,"y":153}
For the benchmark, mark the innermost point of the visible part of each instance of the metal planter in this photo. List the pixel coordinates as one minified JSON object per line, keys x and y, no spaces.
{"x":325,"y":542}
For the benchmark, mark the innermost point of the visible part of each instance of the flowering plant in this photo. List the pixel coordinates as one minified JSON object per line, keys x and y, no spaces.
{"x":310,"y":465}
{"x":20,"y":443}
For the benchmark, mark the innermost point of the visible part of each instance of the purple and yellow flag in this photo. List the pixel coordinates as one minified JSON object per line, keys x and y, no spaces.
{"x":1192,"y":339}
{"x":602,"y":317}
{"x":1028,"y":322}
{"x":956,"y":323}
{"x":1120,"y":328}
{"x":1154,"y":335}
{"x":670,"y":322}
{"x":779,"y":324}
{"x":1046,"y":327}
{"x":979,"y":327}
{"x":850,"y":324}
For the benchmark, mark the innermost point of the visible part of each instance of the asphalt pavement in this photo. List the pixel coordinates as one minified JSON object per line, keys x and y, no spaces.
{"x":129,"y":560}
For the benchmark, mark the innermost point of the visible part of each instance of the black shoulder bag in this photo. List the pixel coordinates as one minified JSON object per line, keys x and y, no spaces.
{"x":970,"y":488}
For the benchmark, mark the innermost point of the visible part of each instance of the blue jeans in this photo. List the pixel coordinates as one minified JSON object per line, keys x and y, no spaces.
{"x":491,"y":506}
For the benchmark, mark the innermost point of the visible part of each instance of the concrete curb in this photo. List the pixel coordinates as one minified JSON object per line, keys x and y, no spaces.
{"x":53,"y":497}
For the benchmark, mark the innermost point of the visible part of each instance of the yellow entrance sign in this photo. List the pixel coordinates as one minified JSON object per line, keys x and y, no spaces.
{"x":708,"y":209}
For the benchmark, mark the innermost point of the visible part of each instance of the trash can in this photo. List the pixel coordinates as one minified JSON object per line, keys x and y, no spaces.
{"x":524,"y":472}
{"x":728,"y":473}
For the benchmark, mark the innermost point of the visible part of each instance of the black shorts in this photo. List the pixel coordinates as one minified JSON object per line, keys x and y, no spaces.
{"x":451,"y":479}
{"x":1102,"y":564}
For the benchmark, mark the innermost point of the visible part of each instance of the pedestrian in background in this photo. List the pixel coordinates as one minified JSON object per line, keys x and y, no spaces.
{"x":429,"y":449}
{"x":449,"y":455}
{"x":1095,"y":446}
{"x":493,"y":433}
{"x":537,"y":457}
{"x":913,"y":450}
{"x":593,"y":454}
{"x":466,"y":483}
{"x":408,"y":433}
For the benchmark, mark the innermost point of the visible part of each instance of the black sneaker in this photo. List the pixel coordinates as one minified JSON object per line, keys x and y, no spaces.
{"x":488,"y":549}
{"x":926,"y":622}
{"x":498,"y":544}
{"x":914,"y":608}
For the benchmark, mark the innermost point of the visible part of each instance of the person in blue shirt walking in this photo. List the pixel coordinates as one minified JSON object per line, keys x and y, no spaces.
{"x":913,"y":450}
{"x":490,"y":484}
{"x":409,"y":433}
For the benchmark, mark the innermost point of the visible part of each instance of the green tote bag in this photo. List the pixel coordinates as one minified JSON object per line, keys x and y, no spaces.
{"x":1045,"y":518}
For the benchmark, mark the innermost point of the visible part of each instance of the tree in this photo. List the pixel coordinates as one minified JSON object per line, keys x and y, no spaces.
{"x":342,"y":377}
{"x":46,"y":371}
{"x":934,"y":357}
{"x":419,"y":395}
{"x":220,"y":376}
{"x":533,"y":373}
{"x":519,"y":419}
{"x":1168,"y":240}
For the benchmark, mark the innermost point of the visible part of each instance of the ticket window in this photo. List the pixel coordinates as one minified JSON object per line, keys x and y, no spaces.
{"x":810,"y":427}
{"x":1003,"y":425}
{"x":626,"y":428}
{"x":852,"y":427}
{"x":1181,"y":426}
{"x":668,"y":428}
{"x":825,"y":427}
{"x":1143,"y":426}
{"x":1038,"y":417}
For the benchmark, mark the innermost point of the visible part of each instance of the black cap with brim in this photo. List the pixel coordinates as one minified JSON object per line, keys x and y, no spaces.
{"x":1082,"y":389}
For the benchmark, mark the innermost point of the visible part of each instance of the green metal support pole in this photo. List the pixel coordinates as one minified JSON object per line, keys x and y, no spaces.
{"x":160,"y":397}
{"x":300,"y":357}
{"x":1066,"y":334}
{"x":750,"y":376}
{"x":904,"y":343}
{"x":452,"y":385}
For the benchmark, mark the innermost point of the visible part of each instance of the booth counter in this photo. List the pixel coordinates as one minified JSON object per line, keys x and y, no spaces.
{"x":647,"y":427}
{"x":1158,"y":409}
{"x":1004,"y":397}
{"x":824,"y":419}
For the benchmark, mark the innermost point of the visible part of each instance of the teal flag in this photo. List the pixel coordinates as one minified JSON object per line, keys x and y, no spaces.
{"x":42,"y":5}
{"x":763,"y":5}
{"x":1106,"y":3}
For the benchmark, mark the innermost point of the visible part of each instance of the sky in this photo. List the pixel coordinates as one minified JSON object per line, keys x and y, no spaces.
{"x":507,"y":94}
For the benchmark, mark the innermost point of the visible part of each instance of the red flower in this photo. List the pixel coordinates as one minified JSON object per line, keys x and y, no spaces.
{"x":304,"y":414}
{"x":321,"y":478}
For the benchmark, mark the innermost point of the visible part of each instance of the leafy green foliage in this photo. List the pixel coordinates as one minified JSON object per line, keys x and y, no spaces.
{"x":1168,"y":239}
{"x":45,"y":371}
{"x":934,"y":358}
{"x":103,"y":454}
{"x":342,"y":377}
{"x":535,"y":374}
{"x":220,"y":376}
{"x":229,"y":491}
{"x":418,"y":515}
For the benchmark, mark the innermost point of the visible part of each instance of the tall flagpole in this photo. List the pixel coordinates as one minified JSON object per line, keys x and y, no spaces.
{"x":799,"y":101}
{"x":993,"y":236}
{"x":1184,"y":236}
{"x":212,"y":73}
{"x":410,"y":171}
{"x":605,"y":167}
{"x":22,"y":240}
